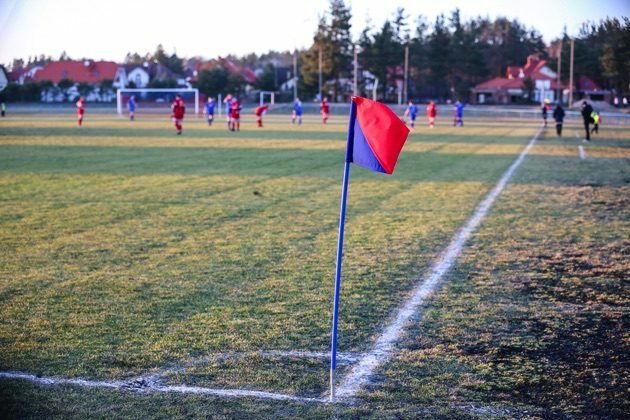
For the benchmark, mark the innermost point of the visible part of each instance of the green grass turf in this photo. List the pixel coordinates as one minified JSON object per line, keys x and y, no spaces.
{"x":125,"y":249}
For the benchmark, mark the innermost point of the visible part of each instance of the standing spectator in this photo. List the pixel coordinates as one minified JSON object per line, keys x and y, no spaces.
{"x":80,"y":110}
{"x":616,"y":102}
{"x":325,"y":109}
{"x":458,"y":113}
{"x":3,"y":109}
{"x":209,"y":108}
{"x":131,"y":106}
{"x":178,"y":109}
{"x":260,"y":111}
{"x":587,"y":110}
{"x":545,"y":111}
{"x":411,"y":112}
{"x":624,"y":101}
{"x":431,"y":113}
{"x":297,"y":112}
{"x":558,"y":115}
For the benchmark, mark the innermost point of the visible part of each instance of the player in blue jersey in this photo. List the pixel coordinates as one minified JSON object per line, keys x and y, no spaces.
{"x":210,"y":110}
{"x":228,"y":110}
{"x":131,"y":106}
{"x":411,"y":113}
{"x":297,"y":112}
{"x":458,"y":114}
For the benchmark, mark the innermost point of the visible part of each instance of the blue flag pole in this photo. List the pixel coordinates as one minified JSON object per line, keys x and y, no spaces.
{"x":342,"y":220}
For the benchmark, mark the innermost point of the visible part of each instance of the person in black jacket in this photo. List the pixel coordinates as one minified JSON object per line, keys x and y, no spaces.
{"x":558,"y":115}
{"x":587,"y":110}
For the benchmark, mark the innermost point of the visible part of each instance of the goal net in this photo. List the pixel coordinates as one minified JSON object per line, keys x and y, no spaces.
{"x":156,"y":101}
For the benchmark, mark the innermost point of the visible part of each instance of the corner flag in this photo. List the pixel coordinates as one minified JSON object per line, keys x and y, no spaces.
{"x":375,"y":138}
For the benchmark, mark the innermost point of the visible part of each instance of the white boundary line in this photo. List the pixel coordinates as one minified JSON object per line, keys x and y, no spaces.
{"x":360,"y":374}
{"x":150,"y":385}
{"x":367,"y":363}
{"x":582,"y":152}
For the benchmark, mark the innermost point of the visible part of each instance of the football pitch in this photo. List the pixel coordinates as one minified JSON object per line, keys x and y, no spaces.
{"x":144,"y":274}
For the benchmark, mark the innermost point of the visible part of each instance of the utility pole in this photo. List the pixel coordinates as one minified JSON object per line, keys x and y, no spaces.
{"x":295,"y":76}
{"x":558,"y":86}
{"x":571,"y":75}
{"x":355,"y":85}
{"x":406,"y":75}
{"x":320,"y":73}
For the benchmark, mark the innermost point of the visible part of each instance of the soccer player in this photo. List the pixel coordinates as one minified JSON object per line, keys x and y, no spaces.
{"x":458,"y":114}
{"x":411,"y":112}
{"x":297,"y":112}
{"x":558,"y":115}
{"x":178,"y":109}
{"x":431,"y":113}
{"x":587,"y":110}
{"x":210,"y":110}
{"x":545,"y":111}
{"x":324,"y":107}
{"x":80,"y":111}
{"x":131,"y":106}
{"x":228,"y":109}
{"x":260,"y":111}
{"x":235,"y":115}
{"x":596,"y":120}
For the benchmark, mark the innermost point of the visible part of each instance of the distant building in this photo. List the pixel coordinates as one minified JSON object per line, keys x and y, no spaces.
{"x":511,"y":89}
{"x":138,"y":75}
{"x":4,"y":78}
{"x":588,"y":89}
{"x":24,"y":74}
{"x":91,"y":72}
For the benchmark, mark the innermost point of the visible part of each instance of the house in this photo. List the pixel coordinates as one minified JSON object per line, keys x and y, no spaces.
{"x":91,"y":72}
{"x":24,"y":74}
{"x":588,"y":89}
{"x":138,"y":75}
{"x":513,"y":88}
{"x":158,"y":72}
{"x":4,"y":78}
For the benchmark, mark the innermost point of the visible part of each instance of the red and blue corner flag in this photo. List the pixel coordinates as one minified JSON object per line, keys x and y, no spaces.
{"x":375,"y":136}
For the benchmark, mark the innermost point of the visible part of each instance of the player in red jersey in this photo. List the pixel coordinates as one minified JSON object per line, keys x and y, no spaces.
{"x":323,"y":106}
{"x":235,"y":114}
{"x":431,"y":113}
{"x":260,"y":111}
{"x":80,"y":110}
{"x":177,"y":113}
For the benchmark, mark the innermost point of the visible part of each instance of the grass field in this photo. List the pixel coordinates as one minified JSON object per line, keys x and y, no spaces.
{"x":127,"y":251}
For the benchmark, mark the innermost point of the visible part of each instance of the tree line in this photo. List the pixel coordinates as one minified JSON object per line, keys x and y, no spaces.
{"x":447,"y":57}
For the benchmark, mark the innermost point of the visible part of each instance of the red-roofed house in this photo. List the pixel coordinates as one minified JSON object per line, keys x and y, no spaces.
{"x":87,"y":71}
{"x":588,"y":89}
{"x":510,"y":89}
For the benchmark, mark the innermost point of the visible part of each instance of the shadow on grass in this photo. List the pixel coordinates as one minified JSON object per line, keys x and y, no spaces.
{"x":300,"y":163}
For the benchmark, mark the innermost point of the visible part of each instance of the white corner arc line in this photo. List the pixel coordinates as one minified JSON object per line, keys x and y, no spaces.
{"x":359,"y":375}
{"x":153,"y":387}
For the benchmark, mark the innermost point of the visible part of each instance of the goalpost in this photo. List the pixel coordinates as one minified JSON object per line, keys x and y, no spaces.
{"x":272,"y":97}
{"x":120,"y":92}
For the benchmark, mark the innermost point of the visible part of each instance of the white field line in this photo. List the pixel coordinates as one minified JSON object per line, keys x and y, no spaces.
{"x":367,"y":363}
{"x":360,"y":374}
{"x":150,"y":385}
{"x":582,"y":152}
{"x":151,"y":382}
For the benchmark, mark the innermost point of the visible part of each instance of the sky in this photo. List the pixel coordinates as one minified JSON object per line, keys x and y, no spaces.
{"x":108,"y":29}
